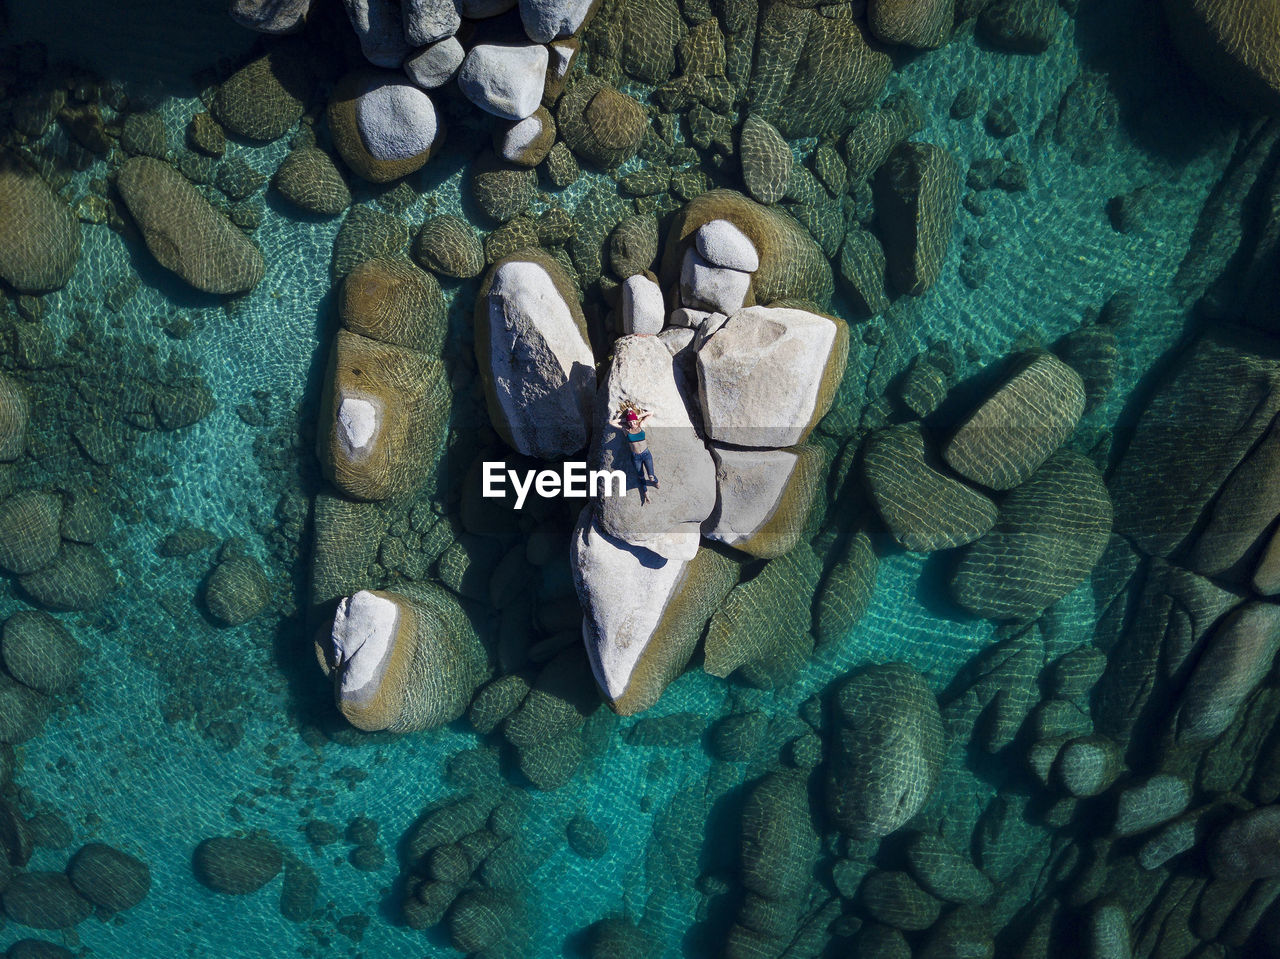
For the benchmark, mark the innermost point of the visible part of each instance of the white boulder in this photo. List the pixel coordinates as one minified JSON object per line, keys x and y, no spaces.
{"x":723,"y":244}
{"x":643,"y":613}
{"x":769,"y":374}
{"x":716,"y":289}
{"x":642,"y":305}
{"x":534,"y":356}
{"x":505,"y":79}
{"x":683,"y":316}
{"x":396,"y":120}
{"x":764,"y":497}
{"x":547,"y":20}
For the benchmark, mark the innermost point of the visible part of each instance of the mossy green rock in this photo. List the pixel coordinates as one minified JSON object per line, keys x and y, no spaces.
{"x":766,"y":160}
{"x":393,"y":301}
{"x":22,"y":711}
{"x":39,"y":653}
{"x":29,"y":531}
{"x":40,"y":238}
{"x":449,"y":246}
{"x":923,"y":505}
{"x":79,"y":578}
{"x":479,"y":919}
{"x":846,"y":590}
{"x":268,"y":95}
{"x":108,"y":878}
{"x":945,"y":872}
{"x":44,"y":900}
{"x":236,"y":591}
{"x":896,"y":900}
{"x":236,"y":866}
{"x":502,"y":190}
{"x":1020,"y":424}
{"x":1050,"y":533}
{"x":310,"y":180}
{"x":887,"y":753}
{"x":764,"y":622}
{"x":599,"y":123}
{"x":184,"y":233}
{"x":916,"y":192}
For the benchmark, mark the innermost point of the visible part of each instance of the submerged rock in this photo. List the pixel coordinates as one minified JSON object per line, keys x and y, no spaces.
{"x":1247,"y":847}
{"x":769,"y":374}
{"x":393,"y":301}
{"x":924,"y":507}
{"x":110,"y":879}
{"x":599,"y":123}
{"x":184,"y":233}
{"x":378,"y":25}
{"x":1234,"y":46}
{"x":1020,"y":425}
{"x":924,"y":25}
{"x":236,"y":866}
{"x":766,"y":160}
{"x":1236,"y":658}
{"x":534,"y":356}
{"x":39,"y":236}
{"x":764,"y":497}
{"x":1050,"y":533}
{"x":44,"y":900}
{"x":29,"y":531}
{"x":271,"y":16}
{"x":79,"y":578}
{"x":761,"y":632}
{"x":384,"y":127}
{"x":887,"y":752}
{"x":643,"y":613}
{"x":268,"y":95}
{"x":381,"y":417}
{"x":39,"y":653}
{"x":309,"y":179}
{"x":916,"y":192}
{"x":449,"y":246}
{"x":236,"y":591}
{"x":403,"y":661}
{"x":15,"y":411}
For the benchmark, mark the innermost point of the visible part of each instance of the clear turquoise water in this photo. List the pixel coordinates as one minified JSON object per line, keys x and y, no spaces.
{"x":119,"y":772}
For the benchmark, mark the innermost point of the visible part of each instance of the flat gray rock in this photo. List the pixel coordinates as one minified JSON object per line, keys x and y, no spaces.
{"x":396,"y":119}
{"x":547,"y":20}
{"x":380,"y":30}
{"x":426,"y":21}
{"x":436,"y":65}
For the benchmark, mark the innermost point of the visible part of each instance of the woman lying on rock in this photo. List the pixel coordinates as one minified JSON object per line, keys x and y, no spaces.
{"x":632,"y":419}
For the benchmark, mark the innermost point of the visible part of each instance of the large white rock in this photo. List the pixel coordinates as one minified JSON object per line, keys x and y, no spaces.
{"x":666,"y":520}
{"x":642,"y":305}
{"x":540,"y":366}
{"x":723,"y":244}
{"x":705,"y":286}
{"x":643,"y":613}
{"x":396,"y":120}
{"x":358,"y":421}
{"x":547,"y":20}
{"x":426,"y":21}
{"x":768,"y":375}
{"x":380,"y":31}
{"x":763,"y":497}
{"x":436,"y":65}
{"x":505,"y":79}
{"x":364,"y":628}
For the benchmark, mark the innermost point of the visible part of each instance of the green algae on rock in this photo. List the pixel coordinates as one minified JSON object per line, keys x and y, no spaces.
{"x":308,"y":179}
{"x":268,"y":95}
{"x":184,"y":233}
{"x":393,"y":301}
{"x":924,"y":507}
{"x":40,"y":242}
{"x":1049,"y":534}
{"x":888,"y":750}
